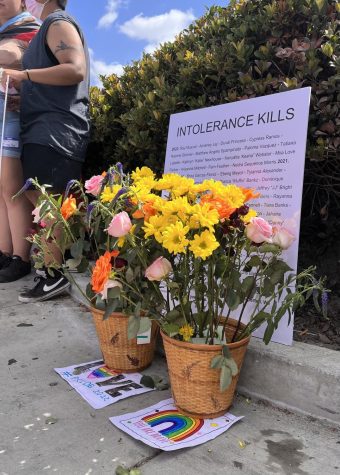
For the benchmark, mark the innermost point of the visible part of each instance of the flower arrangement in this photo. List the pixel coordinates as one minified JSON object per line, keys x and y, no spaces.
{"x":189,"y":255}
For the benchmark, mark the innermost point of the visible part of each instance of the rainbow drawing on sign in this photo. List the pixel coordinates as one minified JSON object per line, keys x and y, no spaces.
{"x":102,"y":372}
{"x":181,"y":427}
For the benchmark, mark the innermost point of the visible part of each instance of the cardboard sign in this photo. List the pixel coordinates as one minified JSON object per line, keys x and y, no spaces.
{"x":163,"y":427}
{"x":256,"y":143}
{"x":99,"y":385}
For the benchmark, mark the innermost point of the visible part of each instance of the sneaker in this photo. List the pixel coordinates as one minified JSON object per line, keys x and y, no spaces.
{"x":46,"y":287}
{"x":5,"y":259}
{"x":14,"y":270}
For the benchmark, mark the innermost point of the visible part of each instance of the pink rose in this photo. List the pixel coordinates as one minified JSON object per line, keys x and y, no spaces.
{"x":158,"y":270}
{"x":283,"y":237}
{"x":120,"y":225}
{"x":259,"y":230}
{"x":109,"y":284}
{"x":93,"y":185}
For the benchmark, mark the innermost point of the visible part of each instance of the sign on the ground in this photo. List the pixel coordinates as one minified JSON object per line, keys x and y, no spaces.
{"x":99,"y":385}
{"x":256,"y":143}
{"x":163,"y":427}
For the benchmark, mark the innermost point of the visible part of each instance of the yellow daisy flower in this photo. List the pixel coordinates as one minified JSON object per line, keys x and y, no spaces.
{"x":154,"y":227}
{"x":203,"y":245}
{"x":251,"y":214}
{"x":174,"y":238}
{"x":109,"y":192}
{"x":186,"y":331}
{"x":144,"y":172}
{"x":204,"y":216}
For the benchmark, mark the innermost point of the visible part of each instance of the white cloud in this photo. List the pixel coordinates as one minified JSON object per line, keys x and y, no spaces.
{"x":157,"y":29}
{"x":99,"y":67}
{"x":111,"y":14}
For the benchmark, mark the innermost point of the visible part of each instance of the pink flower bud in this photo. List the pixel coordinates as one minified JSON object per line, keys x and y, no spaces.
{"x":283,"y":237}
{"x":158,"y":270}
{"x":120,"y":225}
{"x":93,"y":185}
{"x":259,"y":230}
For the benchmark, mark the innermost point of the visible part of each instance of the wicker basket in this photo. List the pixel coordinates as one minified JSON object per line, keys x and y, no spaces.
{"x":195,"y":386}
{"x":119,"y":353}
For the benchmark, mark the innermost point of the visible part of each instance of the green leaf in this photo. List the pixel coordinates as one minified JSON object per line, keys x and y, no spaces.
{"x":133,"y":326}
{"x":272,"y":248}
{"x":231,"y":363}
{"x":114,"y":293}
{"x":226,"y":352}
{"x":232,"y":300}
{"x":122,"y":471}
{"x":145,"y":324}
{"x":172,"y":316}
{"x":129,"y":275}
{"x":171,"y":329}
{"x":147,"y":381}
{"x":225,"y":378}
{"x":321,"y":5}
{"x":248,"y":284}
{"x":77,"y":249}
{"x":268,"y":333}
{"x":109,"y":309}
{"x":217,"y":362}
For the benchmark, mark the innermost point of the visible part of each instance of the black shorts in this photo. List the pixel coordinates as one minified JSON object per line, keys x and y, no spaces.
{"x":49,"y":167}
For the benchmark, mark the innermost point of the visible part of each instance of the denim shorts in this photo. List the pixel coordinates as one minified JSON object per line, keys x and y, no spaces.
{"x":11,"y":144}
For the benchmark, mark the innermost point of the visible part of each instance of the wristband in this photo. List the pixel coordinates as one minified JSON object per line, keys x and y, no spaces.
{"x":28,"y":75}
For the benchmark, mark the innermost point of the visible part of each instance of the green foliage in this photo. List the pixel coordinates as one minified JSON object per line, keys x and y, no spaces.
{"x":248,"y":49}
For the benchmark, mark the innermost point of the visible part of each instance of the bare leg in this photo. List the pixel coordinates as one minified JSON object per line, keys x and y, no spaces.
{"x":5,"y":232}
{"x":53,"y":253}
{"x":19,"y":210}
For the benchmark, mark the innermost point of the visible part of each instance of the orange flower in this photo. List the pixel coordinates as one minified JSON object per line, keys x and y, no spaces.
{"x":149,"y":210}
{"x":146,"y":212}
{"x":69,"y":207}
{"x":138,"y":214}
{"x":102,"y":271}
{"x":222,"y":206}
{"x":249,"y":194}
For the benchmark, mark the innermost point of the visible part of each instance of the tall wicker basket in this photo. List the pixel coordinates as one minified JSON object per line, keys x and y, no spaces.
{"x":195,"y":386}
{"x":120,"y":353}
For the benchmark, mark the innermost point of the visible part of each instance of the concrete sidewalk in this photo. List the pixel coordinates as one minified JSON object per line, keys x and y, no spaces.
{"x":35,"y":338}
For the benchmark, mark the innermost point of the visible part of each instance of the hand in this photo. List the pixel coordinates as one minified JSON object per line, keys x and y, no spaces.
{"x":16,"y":78}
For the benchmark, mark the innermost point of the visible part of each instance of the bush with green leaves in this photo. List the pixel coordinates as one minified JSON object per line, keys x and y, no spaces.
{"x":249,"y":48}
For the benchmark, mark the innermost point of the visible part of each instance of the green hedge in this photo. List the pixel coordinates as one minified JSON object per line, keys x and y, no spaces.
{"x":250,"y":48}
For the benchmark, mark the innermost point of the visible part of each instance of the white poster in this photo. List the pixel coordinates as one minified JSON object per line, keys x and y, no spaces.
{"x":99,"y":385}
{"x":161,"y":426}
{"x":256,"y":143}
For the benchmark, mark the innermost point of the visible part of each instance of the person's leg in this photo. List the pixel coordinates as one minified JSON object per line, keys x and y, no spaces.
{"x":5,"y":232}
{"x":19,"y":209}
{"x":6,"y":247}
{"x":19,"y":220}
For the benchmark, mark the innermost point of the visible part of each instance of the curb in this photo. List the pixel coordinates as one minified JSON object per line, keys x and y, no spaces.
{"x":302,"y":378}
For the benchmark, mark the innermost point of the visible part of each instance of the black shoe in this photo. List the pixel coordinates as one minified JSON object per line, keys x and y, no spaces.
{"x":14,"y":270}
{"x":5,"y":259}
{"x":45,"y":288}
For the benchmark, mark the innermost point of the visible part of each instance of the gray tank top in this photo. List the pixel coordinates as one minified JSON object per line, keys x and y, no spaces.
{"x":55,"y":116}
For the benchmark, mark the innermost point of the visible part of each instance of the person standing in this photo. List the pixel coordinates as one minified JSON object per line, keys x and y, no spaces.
{"x":55,"y":120}
{"x":17,"y":28}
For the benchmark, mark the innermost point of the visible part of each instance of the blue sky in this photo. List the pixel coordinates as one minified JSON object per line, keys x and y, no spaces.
{"x":118,"y":31}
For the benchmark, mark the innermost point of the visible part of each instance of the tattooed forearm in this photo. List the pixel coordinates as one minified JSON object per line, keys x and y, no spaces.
{"x":62,"y":46}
